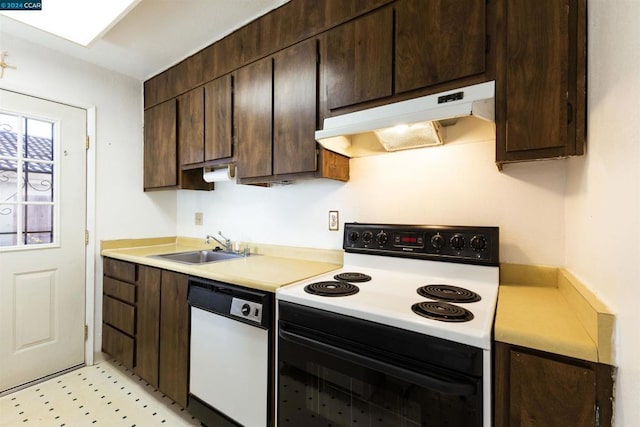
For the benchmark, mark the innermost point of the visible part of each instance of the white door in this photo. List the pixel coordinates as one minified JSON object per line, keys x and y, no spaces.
{"x":42,"y":238}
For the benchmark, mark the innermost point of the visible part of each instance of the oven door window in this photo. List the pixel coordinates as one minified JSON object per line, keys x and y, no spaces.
{"x":328,"y":387}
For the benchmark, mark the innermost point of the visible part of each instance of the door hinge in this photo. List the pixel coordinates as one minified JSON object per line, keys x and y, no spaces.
{"x":86,"y":332}
{"x":87,"y":144}
{"x":86,"y":237}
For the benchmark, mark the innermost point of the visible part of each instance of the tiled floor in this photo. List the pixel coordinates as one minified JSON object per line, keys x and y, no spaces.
{"x":106,"y":394}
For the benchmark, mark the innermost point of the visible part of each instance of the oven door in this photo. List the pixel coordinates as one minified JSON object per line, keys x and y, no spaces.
{"x":335,"y":370}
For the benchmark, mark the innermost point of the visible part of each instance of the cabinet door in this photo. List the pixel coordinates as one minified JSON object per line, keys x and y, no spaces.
{"x":359,"y":57}
{"x":541,"y":79}
{"x":253,"y":112}
{"x":218,"y":122}
{"x":551,"y":392}
{"x":295,"y":106}
{"x":174,"y":337}
{"x":160,"y":149}
{"x":191,"y":126}
{"x":535,"y":388}
{"x":148,"y":324}
{"x":438,"y":41}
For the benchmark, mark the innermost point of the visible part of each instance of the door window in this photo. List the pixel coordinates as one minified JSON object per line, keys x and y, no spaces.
{"x":28,"y":172}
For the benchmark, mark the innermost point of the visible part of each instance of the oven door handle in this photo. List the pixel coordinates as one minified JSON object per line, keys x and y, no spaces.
{"x":449,"y":387}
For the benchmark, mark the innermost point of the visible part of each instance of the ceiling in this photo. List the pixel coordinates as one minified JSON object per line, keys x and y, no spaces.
{"x":154,"y":35}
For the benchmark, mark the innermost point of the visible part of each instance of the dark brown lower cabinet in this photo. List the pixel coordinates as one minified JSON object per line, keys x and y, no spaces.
{"x":534,"y":388}
{"x":174,"y":337}
{"x":148,"y":324}
{"x":151,"y":333}
{"x":120,"y":346}
{"x":119,"y":310}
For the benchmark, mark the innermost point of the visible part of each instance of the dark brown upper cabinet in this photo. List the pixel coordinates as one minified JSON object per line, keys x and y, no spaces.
{"x":541,"y":79}
{"x":218,"y":119}
{"x":161,"y":152}
{"x":160,"y":149}
{"x":295,"y":106}
{"x":358,"y":63}
{"x":191,"y":126}
{"x":205,"y":123}
{"x":253,"y":117}
{"x":437,"y":41}
{"x":275,"y":119}
{"x":250,"y":97}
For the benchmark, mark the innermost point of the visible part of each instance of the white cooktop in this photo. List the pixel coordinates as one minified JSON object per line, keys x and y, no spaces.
{"x":388,"y":297}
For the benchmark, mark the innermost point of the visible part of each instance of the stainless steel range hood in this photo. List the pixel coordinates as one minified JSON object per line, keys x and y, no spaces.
{"x":407,"y":124}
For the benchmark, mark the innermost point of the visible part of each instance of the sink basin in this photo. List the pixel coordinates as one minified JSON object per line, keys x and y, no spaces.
{"x":199,"y":257}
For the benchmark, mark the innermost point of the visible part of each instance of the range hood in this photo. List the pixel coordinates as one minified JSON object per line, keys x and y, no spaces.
{"x":407,"y":124}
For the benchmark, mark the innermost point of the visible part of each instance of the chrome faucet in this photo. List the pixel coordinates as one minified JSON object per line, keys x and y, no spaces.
{"x":226,"y":243}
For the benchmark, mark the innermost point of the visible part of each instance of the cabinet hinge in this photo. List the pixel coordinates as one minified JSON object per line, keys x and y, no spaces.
{"x":86,"y":237}
{"x":86,"y":332}
{"x":87,"y":143}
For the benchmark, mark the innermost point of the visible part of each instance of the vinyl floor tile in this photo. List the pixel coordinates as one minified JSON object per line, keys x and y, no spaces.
{"x":106,"y":394}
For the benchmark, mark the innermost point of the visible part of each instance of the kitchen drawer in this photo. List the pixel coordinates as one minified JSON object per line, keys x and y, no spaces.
{"x":121,"y":270}
{"x":118,"y":345}
{"x":119,"y":315}
{"x":120,"y":290}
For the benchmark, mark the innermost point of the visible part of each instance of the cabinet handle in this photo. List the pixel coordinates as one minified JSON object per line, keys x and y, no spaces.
{"x":569,"y":113}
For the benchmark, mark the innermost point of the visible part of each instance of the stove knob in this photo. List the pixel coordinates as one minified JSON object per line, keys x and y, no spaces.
{"x":457,"y":242}
{"x":245,"y":309}
{"x":437,"y":241}
{"x":382,"y":238}
{"x":367,"y":237}
{"x":354,"y":236}
{"x":478,"y":243}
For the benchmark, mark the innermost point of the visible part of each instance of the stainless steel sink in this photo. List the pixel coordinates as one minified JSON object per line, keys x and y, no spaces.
{"x":200,"y":257}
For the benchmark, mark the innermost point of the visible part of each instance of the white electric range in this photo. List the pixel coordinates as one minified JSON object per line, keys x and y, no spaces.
{"x":412,"y":303}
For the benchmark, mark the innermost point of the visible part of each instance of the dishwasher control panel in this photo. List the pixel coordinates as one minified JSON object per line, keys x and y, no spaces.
{"x":246,"y":309}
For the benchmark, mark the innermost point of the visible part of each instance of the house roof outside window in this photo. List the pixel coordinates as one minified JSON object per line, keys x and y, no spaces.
{"x":37,"y":148}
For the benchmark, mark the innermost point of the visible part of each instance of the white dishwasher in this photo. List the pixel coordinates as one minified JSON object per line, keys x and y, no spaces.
{"x":230,"y":378}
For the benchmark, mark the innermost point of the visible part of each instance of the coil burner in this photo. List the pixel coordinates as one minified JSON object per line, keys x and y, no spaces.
{"x":442,"y":311}
{"x":331,"y":289}
{"x":448,"y":293}
{"x":352,"y":277}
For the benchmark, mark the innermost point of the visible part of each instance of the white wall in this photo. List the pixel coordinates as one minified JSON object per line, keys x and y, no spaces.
{"x":454,"y":184}
{"x":603,"y":194}
{"x":121,"y":208}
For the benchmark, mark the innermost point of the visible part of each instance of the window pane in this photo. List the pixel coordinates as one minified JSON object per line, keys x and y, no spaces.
{"x":8,"y":136}
{"x":8,"y":225}
{"x":39,"y":185}
{"x":39,"y":140}
{"x":38,"y":220}
{"x":8,"y":182}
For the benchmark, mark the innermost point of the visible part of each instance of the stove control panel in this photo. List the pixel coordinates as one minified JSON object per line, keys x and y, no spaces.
{"x":463,"y":244}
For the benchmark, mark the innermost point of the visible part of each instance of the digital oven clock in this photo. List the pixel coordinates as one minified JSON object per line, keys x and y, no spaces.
{"x":408,"y":240}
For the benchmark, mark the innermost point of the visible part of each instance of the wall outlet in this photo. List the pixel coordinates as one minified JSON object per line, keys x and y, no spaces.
{"x":334,"y":223}
{"x":198,"y":219}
